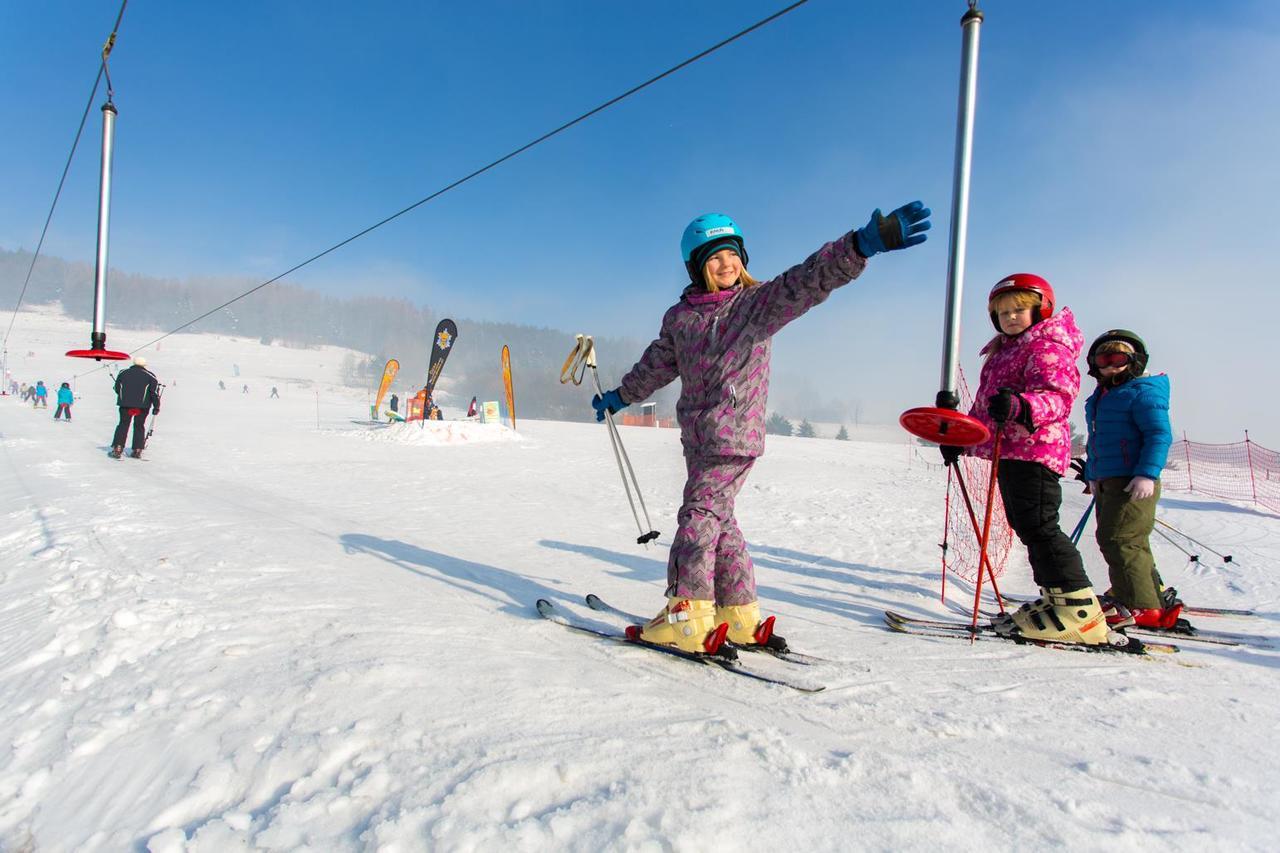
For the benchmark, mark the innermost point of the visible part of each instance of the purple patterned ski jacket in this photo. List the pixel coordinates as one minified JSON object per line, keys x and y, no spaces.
{"x":719,"y":346}
{"x":1040,"y":365}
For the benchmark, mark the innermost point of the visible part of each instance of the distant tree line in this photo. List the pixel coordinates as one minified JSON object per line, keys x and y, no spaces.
{"x":380,"y":327}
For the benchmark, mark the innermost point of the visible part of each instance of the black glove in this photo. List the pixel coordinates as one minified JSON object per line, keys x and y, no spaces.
{"x":1006,"y":406}
{"x":951,"y":453}
{"x":1077,"y":465}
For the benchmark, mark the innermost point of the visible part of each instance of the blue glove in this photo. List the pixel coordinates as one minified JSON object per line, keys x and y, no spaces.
{"x":900,"y":229}
{"x":611,"y":401}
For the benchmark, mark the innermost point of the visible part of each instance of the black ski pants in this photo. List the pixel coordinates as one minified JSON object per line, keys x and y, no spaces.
{"x":63,"y":409}
{"x":139,"y":428}
{"x":1032,"y":497}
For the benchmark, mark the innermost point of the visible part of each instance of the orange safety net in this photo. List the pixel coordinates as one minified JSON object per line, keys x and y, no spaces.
{"x":1244,"y":471}
{"x":961,"y":543}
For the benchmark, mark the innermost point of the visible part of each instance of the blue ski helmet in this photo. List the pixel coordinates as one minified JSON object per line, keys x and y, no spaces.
{"x":707,"y":235}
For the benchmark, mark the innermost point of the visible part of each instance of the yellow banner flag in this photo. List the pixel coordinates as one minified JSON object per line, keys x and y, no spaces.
{"x":506,"y":380}
{"x":388,"y":376}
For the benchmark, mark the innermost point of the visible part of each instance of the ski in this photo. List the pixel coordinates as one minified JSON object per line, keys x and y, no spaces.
{"x":1187,"y":631}
{"x":1217,"y":611}
{"x":780,"y":652}
{"x":1186,"y":608}
{"x":948,"y":628}
{"x":559,"y":616}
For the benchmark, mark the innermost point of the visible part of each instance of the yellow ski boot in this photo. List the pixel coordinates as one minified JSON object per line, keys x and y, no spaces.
{"x":745,"y":627}
{"x":689,"y":624}
{"x":1067,"y":616}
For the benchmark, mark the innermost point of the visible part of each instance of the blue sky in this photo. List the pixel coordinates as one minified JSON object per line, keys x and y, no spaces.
{"x":1125,"y":151}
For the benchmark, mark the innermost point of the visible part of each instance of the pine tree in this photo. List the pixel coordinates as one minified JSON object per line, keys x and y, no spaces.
{"x":777,"y":425}
{"x":843,"y":434}
{"x":1077,"y":440}
{"x":806,"y":429}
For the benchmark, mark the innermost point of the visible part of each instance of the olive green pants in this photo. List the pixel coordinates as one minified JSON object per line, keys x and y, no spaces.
{"x":1124,"y":537}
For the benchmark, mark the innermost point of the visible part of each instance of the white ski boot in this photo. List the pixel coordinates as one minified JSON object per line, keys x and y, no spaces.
{"x":1006,"y":618}
{"x":1067,"y":616}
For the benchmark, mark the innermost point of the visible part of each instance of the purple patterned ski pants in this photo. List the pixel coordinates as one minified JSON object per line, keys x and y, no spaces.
{"x":709,"y":558}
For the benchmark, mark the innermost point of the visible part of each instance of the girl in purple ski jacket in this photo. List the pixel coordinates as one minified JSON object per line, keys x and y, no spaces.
{"x":716,"y":339}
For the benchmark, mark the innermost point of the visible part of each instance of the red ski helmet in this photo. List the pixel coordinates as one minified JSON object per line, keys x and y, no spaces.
{"x":1031,"y":283}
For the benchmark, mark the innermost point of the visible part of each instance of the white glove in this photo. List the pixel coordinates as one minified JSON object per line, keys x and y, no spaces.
{"x":1140,"y":488}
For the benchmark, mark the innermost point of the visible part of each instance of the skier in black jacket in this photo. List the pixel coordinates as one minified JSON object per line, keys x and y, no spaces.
{"x":137,"y":390}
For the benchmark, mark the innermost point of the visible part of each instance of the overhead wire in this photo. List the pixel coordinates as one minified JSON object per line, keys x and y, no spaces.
{"x":460,"y":181}
{"x":102,"y":71}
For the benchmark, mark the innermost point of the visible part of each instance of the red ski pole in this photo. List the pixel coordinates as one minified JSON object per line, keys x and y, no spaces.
{"x":986,"y":535}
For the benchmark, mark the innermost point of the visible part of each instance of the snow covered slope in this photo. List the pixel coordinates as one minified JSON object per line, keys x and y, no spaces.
{"x":275,"y":634}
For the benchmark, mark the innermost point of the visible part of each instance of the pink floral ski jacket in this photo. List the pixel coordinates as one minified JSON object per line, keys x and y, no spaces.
{"x":1040,"y":365}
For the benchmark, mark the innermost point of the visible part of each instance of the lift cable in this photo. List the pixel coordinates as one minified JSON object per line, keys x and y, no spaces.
{"x":459,"y":182}
{"x":102,"y":70}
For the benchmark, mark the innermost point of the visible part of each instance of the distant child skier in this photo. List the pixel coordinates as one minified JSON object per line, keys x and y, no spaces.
{"x":137,"y":390}
{"x":1129,"y":438}
{"x":1029,"y":382}
{"x":41,"y":399}
{"x":65,"y":399}
{"x":716,"y":339}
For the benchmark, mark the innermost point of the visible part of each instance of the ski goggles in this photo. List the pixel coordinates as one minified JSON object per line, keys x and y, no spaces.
{"x":1112,"y":359}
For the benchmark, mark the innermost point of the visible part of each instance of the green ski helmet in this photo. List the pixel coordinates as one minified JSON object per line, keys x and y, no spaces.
{"x":1140,"y":354}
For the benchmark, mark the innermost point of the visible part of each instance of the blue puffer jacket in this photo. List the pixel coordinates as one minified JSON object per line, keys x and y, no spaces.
{"x":1129,"y":434}
{"x":65,"y":396}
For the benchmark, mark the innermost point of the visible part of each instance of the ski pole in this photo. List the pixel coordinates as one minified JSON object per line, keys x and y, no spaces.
{"x":620,"y":454}
{"x":155,"y":417}
{"x":1195,"y":558}
{"x":582,"y":357}
{"x":1226,"y":558}
{"x":1084,"y":519}
{"x":575,"y":366}
{"x":986,"y":536}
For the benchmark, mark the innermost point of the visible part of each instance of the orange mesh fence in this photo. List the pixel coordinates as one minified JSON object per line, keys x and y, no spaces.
{"x":1244,"y":471}
{"x":961,"y":554}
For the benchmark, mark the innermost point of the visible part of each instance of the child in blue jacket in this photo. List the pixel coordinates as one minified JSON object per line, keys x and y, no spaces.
{"x":1129,"y":438}
{"x":65,"y":399}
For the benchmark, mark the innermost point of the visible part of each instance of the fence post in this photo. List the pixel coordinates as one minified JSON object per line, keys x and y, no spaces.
{"x":1186,"y":450}
{"x":1249,"y":455}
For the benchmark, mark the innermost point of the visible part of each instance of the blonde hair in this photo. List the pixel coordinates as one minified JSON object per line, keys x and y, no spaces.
{"x":1015,"y":298}
{"x":744,"y":279}
{"x":1115,"y":346}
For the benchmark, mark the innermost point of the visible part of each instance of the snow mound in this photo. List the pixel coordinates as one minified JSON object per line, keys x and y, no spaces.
{"x":437,"y":433}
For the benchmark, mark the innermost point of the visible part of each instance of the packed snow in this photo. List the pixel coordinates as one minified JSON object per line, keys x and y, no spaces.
{"x":291,"y":628}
